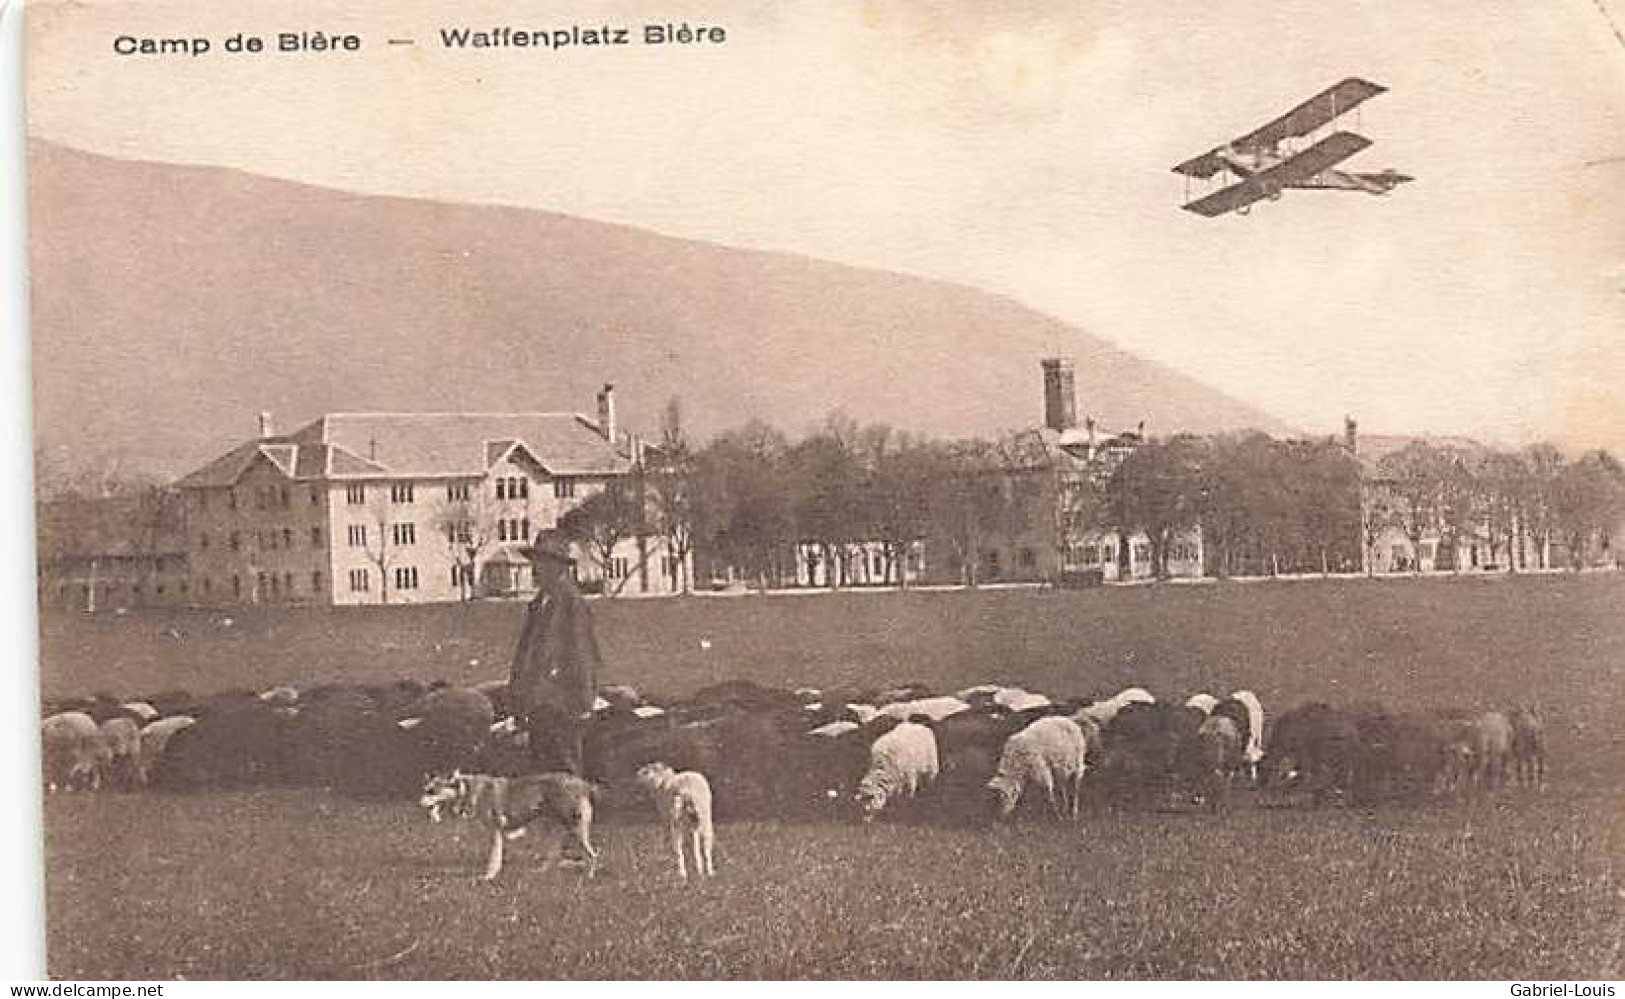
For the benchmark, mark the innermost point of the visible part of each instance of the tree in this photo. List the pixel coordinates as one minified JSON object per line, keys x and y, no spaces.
{"x":1542,"y":464}
{"x":380,"y":552}
{"x":1588,"y":501}
{"x":468,"y":526}
{"x":969,"y":496}
{"x":1413,"y":475}
{"x":743,"y":510}
{"x":1502,"y":483}
{"x":1325,"y":490}
{"x":825,"y":479}
{"x":898,"y":494}
{"x":675,"y":492}
{"x":1157,"y":490}
{"x":602,"y":521}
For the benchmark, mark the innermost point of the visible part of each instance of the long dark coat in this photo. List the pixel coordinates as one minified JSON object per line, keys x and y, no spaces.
{"x":554,"y":676}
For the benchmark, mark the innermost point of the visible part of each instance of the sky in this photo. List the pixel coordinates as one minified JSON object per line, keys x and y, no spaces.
{"x":1019,"y":147}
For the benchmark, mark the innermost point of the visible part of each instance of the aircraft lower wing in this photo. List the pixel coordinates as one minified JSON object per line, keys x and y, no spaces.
{"x":1295,"y":172}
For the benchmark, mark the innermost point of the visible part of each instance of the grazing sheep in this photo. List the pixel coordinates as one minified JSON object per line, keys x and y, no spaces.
{"x":1142,"y":747}
{"x":834,"y":729}
{"x":1482,"y":751}
{"x":1049,"y":755}
{"x":648,"y":711}
{"x":863,"y":714}
{"x":1213,"y":759}
{"x":154,"y":738}
{"x":122,"y":737}
{"x":1204,"y":703}
{"x":1015,"y":699}
{"x":1104,"y":711}
{"x":1255,"y":728}
{"x":455,"y":725}
{"x":140,"y":711}
{"x":1314,"y":746}
{"x":74,"y":753}
{"x":1528,"y":747}
{"x":1242,"y":717}
{"x":902,"y":763}
{"x":935,"y":708}
{"x":684,"y":803}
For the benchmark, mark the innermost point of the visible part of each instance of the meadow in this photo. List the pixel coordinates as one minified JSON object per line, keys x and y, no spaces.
{"x":289,"y":883}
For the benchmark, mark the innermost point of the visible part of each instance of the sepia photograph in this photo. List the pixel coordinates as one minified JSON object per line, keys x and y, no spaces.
{"x":860,"y":490}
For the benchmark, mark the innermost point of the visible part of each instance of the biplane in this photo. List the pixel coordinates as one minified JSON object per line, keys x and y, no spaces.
{"x":1266,"y":163}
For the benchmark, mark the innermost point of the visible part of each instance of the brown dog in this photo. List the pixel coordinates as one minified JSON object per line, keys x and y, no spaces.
{"x":507,"y":806}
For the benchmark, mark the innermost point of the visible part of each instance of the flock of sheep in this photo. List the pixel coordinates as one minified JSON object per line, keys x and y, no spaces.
{"x":985,"y":751}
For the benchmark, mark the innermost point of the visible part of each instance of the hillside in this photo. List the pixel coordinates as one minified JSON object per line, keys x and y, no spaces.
{"x":174,"y":303}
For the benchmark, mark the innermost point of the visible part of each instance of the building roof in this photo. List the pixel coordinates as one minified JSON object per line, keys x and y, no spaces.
{"x":421,"y":445}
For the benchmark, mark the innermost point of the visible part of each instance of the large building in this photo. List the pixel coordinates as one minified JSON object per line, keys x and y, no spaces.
{"x":368,"y":508}
{"x":1056,"y":475}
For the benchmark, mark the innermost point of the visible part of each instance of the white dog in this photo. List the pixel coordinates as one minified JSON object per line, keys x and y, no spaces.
{"x":684,"y":802}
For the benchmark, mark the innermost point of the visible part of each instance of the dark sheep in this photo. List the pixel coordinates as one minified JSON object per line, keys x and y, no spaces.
{"x":1142,"y":750}
{"x":1528,"y":747}
{"x":173,"y":702}
{"x":1313,"y":747}
{"x":454,"y":725}
{"x":236,"y":743}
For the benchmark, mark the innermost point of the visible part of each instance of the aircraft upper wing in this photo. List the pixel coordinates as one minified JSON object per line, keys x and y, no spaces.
{"x":1301,"y":120}
{"x":1326,"y":153}
{"x":1335,"y":100}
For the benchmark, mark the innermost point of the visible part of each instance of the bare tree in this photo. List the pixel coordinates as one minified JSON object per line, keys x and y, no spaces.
{"x":378,"y":548}
{"x":602,"y":521}
{"x":468,"y":525}
{"x":674,"y":493}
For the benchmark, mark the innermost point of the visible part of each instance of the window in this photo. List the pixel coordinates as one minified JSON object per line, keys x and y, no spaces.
{"x":461,"y":575}
{"x":358,"y":535}
{"x":287,"y":500}
{"x":524,"y":529}
{"x":457,"y":492}
{"x":359,"y":581}
{"x":355,"y":494}
{"x":524,"y":488}
{"x":287,"y":537}
{"x":287,"y":583}
{"x":616,"y":568}
{"x":259,"y":498}
{"x":236,"y":587}
{"x":406,"y":577}
{"x":208,"y":585}
{"x":460,"y":532}
{"x":203,"y":540}
{"x":400,"y":492}
{"x":564,"y":488}
{"x":231,"y":499}
{"x":1142,"y":551}
{"x":1029,"y":558}
{"x":316,"y":581}
{"x":405,"y":534}
{"x":315,"y":537}
{"x":315,"y":496}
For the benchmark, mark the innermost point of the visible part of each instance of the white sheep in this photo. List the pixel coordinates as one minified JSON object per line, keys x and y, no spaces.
{"x":935,"y":708}
{"x":684,"y":802}
{"x":835,"y":728}
{"x":123,"y":740}
{"x":648,"y":711}
{"x":1051,"y":756}
{"x":154,"y":738}
{"x":1255,"y":728}
{"x":863,"y":714}
{"x":1104,"y":711}
{"x":1015,"y":699}
{"x":902,"y":763}
{"x":142,"y":710}
{"x":73,"y":750}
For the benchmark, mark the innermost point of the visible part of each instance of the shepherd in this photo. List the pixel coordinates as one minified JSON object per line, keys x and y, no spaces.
{"x":555,"y":668}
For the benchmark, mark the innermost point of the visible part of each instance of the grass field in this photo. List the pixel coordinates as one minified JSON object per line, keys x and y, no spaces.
{"x":290,"y":884}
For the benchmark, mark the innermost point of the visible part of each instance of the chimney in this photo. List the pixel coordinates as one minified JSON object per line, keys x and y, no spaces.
{"x":1060,"y":395}
{"x":265,"y":425}
{"x":1350,"y":436}
{"x":606,"y":412}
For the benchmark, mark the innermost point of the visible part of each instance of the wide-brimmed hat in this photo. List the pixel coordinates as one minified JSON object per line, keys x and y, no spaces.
{"x":549,"y":544}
